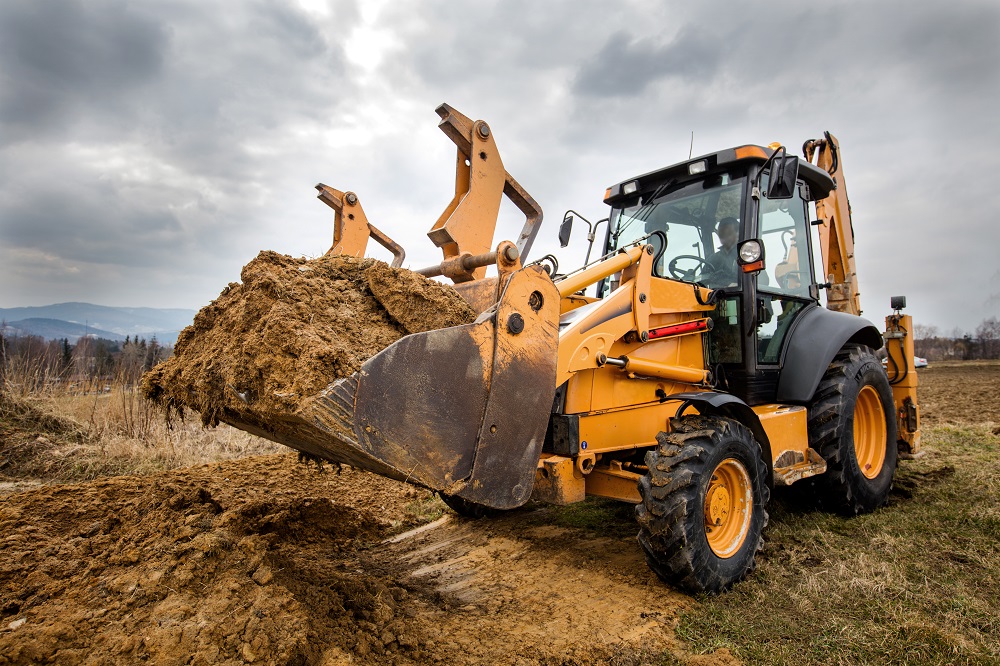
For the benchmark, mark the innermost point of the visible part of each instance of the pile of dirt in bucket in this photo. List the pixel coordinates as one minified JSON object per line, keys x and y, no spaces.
{"x":291,"y":328}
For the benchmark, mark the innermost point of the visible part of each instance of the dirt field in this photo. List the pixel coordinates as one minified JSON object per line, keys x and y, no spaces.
{"x":960,"y":392}
{"x":265,"y":560}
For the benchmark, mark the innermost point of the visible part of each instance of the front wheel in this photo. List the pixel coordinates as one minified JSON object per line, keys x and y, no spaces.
{"x":853,"y":426}
{"x":703,"y":504}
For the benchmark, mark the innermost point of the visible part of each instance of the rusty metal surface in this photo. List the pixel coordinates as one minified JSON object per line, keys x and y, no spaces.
{"x":521,"y":392}
{"x":419,"y":403}
{"x":480,"y":294}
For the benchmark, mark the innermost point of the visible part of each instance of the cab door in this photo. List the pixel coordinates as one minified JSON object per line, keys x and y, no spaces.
{"x":784,"y":287}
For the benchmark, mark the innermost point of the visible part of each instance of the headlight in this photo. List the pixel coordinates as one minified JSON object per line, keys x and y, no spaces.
{"x":751,"y":252}
{"x":697,"y":167}
{"x":630,"y":188}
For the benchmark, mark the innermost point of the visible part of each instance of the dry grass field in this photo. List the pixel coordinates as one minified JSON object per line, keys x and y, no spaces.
{"x":129,"y":539}
{"x":61,"y":436}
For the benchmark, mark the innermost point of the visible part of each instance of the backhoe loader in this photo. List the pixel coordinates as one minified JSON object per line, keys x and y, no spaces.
{"x":697,"y":377}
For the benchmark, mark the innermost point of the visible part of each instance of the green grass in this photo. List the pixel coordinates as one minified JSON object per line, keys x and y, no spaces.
{"x":606,"y":517}
{"x":917,"y":582}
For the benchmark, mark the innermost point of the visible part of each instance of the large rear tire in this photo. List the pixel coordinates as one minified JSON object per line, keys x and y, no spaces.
{"x":852,"y":425}
{"x":703,"y":504}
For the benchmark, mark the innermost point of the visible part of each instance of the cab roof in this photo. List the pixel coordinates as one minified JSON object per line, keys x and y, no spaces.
{"x":820,"y":183}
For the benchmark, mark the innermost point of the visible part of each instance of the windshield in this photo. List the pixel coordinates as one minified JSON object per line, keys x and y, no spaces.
{"x":701,"y":223}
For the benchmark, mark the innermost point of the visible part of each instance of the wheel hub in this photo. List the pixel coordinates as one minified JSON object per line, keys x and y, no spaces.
{"x":869,"y":432}
{"x":718,"y":505}
{"x":728,"y":508}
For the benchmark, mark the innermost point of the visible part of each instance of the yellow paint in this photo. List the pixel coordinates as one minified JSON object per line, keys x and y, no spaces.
{"x":899,"y":344}
{"x":728,"y":508}
{"x":869,"y":432}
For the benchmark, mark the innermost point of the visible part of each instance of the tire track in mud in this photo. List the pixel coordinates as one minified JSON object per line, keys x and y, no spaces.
{"x":502,"y":590}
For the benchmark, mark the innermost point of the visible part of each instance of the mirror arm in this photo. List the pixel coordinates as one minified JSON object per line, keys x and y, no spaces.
{"x":755,"y":192}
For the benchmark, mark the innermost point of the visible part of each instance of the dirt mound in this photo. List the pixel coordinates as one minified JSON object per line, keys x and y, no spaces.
{"x":291,"y":328}
{"x":32,"y":441}
{"x":202,"y":566}
{"x":263,"y":560}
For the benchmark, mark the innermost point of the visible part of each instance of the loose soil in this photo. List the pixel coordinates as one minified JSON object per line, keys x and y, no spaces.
{"x":292,"y":327}
{"x":33,"y":443}
{"x":960,"y":392}
{"x":266,"y":560}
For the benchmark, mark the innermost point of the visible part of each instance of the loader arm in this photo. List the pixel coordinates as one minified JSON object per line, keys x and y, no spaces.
{"x":465,"y":230}
{"x":351,"y":228}
{"x":585,"y":343}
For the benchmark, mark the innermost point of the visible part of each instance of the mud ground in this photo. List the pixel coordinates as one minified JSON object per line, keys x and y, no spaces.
{"x":960,"y":392}
{"x":265,"y":560}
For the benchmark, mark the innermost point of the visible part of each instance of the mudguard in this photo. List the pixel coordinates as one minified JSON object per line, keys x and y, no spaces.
{"x":728,"y":405}
{"x":813,"y":340}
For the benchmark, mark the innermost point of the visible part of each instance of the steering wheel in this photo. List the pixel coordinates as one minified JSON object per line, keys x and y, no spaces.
{"x":685,"y":275}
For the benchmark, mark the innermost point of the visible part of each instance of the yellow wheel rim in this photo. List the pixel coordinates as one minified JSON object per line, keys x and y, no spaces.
{"x":728,"y":508}
{"x":869,"y":432}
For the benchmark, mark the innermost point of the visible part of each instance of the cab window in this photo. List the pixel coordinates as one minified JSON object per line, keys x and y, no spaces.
{"x":783,"y":286}
{"x":694,"y":218}
{"x":784,"y":231}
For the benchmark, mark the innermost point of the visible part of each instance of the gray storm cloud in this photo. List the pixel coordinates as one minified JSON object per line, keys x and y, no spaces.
{"x":148,"y":150}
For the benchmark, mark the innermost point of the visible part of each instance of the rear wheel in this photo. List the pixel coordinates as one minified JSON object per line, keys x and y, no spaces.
{"x":702,"y":511}
{"x":853,"y":426}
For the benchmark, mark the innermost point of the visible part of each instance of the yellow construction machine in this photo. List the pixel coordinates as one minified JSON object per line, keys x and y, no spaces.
{"x":698,"y":375}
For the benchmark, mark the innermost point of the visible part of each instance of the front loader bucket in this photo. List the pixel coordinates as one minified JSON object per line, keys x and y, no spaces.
{"x":462,"y":410}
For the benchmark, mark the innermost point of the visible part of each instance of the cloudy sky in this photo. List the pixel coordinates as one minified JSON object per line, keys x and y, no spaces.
{"x":150,"y":149}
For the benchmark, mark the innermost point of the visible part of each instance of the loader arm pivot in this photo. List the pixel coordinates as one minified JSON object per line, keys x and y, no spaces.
{"x":468,"y":223}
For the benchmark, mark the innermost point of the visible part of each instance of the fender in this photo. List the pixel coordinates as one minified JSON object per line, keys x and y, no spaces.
{"x":813,"y":341}
{"x":728,"y":405}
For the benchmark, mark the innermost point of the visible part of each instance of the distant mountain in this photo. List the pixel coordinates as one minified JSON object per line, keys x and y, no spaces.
{"x":56,"y":329}
{"x":73,"y":320}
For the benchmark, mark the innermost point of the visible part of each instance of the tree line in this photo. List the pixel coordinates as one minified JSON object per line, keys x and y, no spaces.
{"x":983,"y":343}
{"x":36,"y":364}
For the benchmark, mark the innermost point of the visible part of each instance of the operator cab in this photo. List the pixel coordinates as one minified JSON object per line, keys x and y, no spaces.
{"x":700,"y":216}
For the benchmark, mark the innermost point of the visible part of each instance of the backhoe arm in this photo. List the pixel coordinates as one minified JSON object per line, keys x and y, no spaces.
{"x":836,"y":232}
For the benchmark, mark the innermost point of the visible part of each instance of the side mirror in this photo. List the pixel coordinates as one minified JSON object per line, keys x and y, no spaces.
{"x":784,"y":173}
{"x":565,"y":229}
